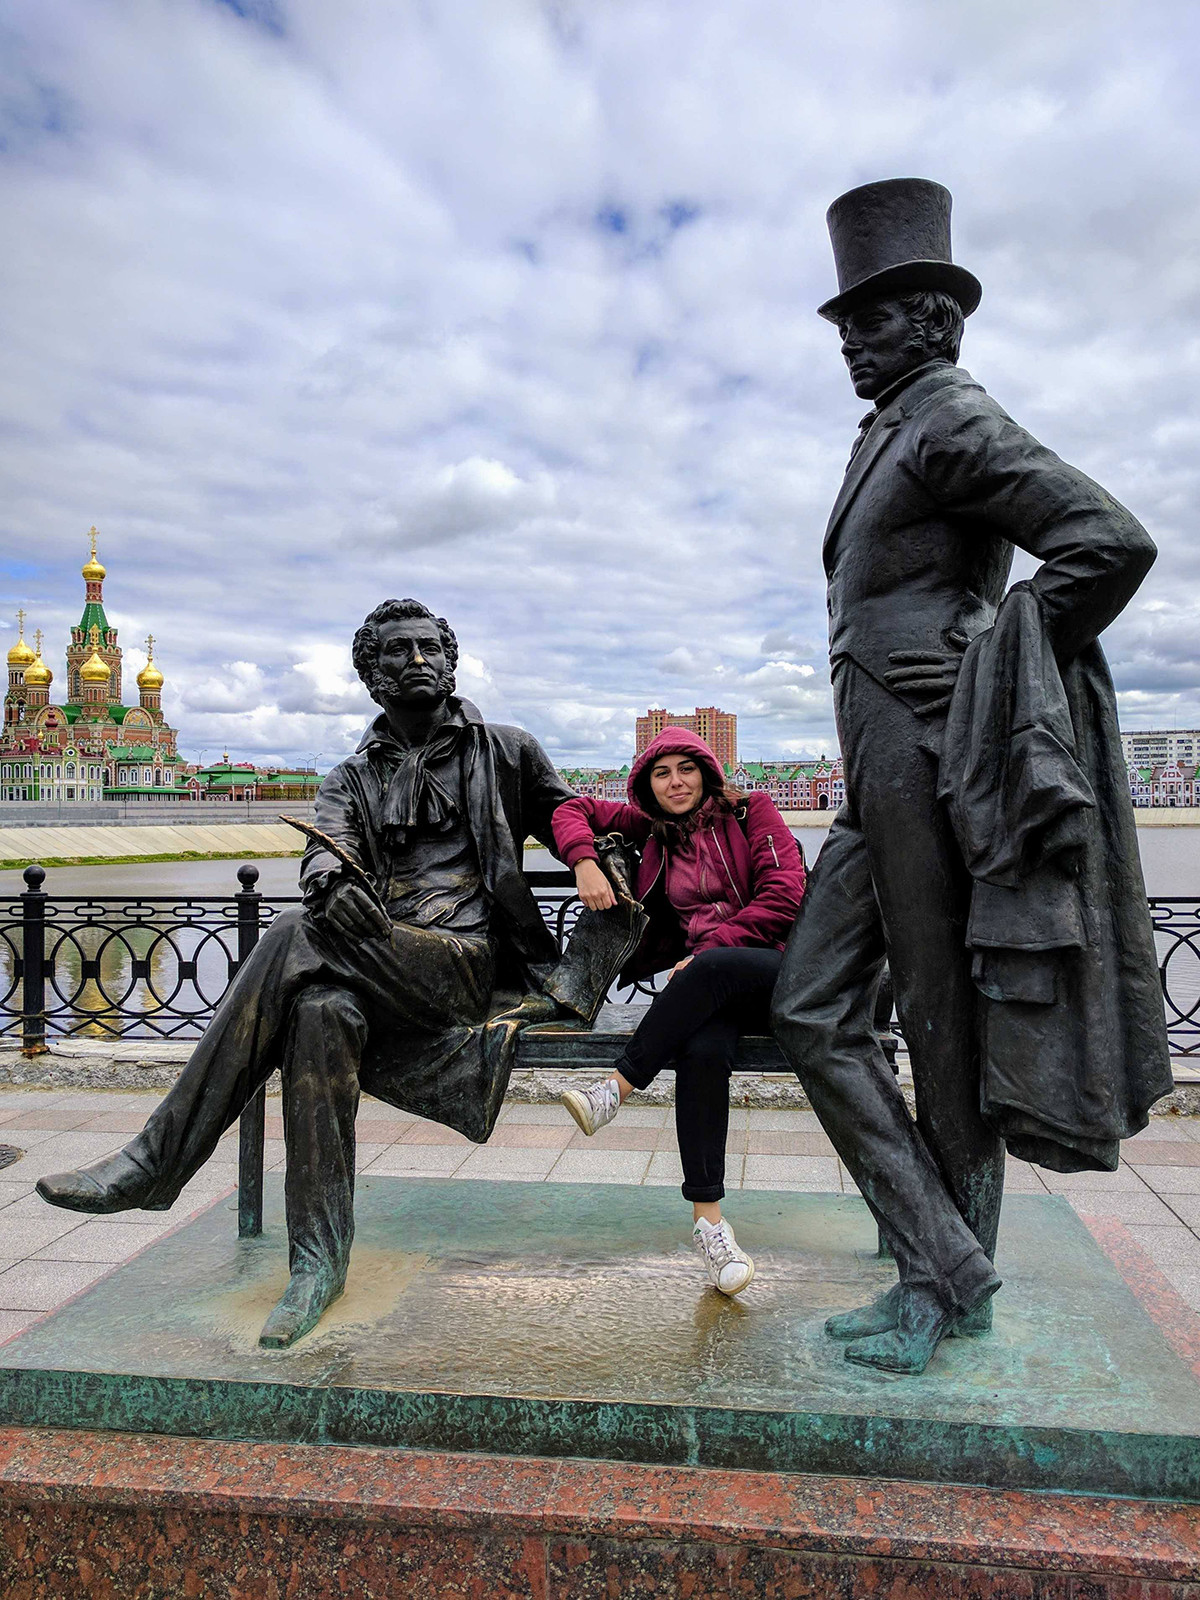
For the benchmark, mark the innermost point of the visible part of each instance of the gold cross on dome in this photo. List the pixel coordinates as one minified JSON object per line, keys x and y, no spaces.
{"x":21,"y":622}
{"x":37,"y":639}
{"x":149,"y":648}
{"x":94,"y":535}
{"x":94,"y":636}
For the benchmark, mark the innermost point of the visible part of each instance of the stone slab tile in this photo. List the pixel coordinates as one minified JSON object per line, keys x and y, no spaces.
{"x":600,"y":1166}
{"x":1171,"y":1180}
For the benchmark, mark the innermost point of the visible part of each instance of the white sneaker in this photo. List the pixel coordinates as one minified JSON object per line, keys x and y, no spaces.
{"x":593,"y":1108}
{"x":730,"y":1269}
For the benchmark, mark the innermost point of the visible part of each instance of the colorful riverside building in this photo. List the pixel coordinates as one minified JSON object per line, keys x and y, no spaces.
{"x":1169,"y":785}
{"x":87,"y":746}
{"x":793,"y":785}
{"x":242,"y":780}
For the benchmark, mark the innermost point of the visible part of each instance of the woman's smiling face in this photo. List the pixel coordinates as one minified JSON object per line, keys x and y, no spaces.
{"x":677,"y":783}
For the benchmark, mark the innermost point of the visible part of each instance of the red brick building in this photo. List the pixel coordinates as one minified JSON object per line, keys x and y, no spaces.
{"x":717,"y":728}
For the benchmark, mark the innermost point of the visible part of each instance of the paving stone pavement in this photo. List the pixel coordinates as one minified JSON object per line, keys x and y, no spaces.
{"x":48,"y":1256}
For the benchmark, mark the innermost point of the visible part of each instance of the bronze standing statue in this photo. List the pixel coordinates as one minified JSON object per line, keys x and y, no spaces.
{"x":400,"y":991}
{"x":986,"y":848}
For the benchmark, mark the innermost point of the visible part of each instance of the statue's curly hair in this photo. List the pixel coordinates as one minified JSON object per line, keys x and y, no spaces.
{"x":365,"y":649}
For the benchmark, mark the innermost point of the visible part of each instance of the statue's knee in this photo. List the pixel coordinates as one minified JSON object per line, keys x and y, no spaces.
{"x":324,"y":1005}
{"x":800,"y":1030}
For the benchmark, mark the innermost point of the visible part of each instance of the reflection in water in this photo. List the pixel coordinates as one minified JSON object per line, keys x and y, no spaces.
{"x":128,"y":967}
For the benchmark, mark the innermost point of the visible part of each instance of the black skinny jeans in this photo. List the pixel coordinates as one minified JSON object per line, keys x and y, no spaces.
{"x":695,"y":1022}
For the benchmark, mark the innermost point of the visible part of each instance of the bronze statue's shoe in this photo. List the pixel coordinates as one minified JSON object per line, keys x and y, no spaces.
{"x":300,"y":1308}
{"x":974,"y":1324}
{"x":117,"y":1183}
{"x":924,"y":1322}
{"x":877,"y":1316}
{"x":883,"y":1313}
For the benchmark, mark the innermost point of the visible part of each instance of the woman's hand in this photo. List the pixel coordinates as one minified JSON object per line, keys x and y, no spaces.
{"x":593,"y":887}
{"x":679,"y":966}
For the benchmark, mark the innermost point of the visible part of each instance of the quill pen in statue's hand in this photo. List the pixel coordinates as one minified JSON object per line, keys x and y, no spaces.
{"x":354,"y":871}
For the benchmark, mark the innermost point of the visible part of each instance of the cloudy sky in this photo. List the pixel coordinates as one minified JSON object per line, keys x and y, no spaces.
{"x":510,"y":306}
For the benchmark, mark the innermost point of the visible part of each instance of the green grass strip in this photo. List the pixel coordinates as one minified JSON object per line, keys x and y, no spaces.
{"x":118,"y":861}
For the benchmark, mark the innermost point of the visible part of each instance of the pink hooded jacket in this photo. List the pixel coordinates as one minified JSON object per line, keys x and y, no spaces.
{"x":759,"y":858}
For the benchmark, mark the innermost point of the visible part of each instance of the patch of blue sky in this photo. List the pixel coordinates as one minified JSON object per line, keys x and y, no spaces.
{"x":265,"y":14}
{"x":38,"y":111}
{"x":612,"y":219}
{"x":651,"y":356}
{"x":17,"y":571}
{"x":678,"y":213}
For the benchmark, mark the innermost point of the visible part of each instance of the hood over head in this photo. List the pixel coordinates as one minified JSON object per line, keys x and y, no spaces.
{"x":670,"y":742}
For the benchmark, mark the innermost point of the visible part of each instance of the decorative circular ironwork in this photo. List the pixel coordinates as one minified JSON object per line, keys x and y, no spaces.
{"x":157,"y":966}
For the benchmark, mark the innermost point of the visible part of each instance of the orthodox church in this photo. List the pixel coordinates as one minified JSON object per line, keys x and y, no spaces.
{"x":87,"y":746}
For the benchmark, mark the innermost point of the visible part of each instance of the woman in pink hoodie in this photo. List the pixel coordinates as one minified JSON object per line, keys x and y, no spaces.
{"x":721,"y":878}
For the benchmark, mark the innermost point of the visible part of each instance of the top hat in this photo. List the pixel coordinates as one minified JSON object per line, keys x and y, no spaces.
{"x":891,"y":238}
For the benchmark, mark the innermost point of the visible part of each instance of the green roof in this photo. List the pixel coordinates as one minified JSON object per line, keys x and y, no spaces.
{"x":148,"y":788}
{"x":132,"y":752}
{"x":93,"y":616}
{"x":117,"y":714}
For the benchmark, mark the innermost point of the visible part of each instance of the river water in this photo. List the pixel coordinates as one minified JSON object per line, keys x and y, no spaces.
{"x":117,"y":966}
{"x":1170,"y":861}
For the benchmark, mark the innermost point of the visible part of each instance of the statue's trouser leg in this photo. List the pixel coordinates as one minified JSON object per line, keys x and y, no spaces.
{"x":320,"y":1102}
{"x":923,"y":891}
{"x":920,"y":1180}
{"x":416,"y":979}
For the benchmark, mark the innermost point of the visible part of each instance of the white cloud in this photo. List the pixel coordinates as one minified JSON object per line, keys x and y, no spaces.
{"x":512,"y":309}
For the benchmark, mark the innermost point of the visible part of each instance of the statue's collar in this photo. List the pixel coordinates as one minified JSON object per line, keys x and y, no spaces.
{"x":893,"y":390}
{"x":379,"y":736}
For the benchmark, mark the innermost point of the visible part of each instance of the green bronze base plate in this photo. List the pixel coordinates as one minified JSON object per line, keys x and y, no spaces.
{"x":575,"y":1320}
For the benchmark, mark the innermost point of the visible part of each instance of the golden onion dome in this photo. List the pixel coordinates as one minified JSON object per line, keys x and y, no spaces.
{"x":93,"y":572}
{"x":21,"y":655}
{"x":150,"y":677}
{"x":94,"y":670}
{"x":38,"y":676}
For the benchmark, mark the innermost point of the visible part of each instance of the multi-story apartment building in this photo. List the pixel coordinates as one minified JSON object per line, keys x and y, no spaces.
{"x":717,"y":728}
{"x":1153,"y":747}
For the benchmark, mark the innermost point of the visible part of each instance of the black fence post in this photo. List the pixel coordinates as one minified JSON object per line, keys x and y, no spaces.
{"x":253,"y":1121}
{"x":33,"y":963}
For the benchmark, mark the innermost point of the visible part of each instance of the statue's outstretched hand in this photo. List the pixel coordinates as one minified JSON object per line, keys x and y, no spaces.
{"x":350,"y":910}
{"x":925,"y":679}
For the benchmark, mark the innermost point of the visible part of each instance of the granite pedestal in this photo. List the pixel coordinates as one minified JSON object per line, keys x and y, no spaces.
{"x":512,"y":1343}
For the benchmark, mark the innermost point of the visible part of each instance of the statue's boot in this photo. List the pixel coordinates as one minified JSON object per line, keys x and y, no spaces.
{"x":301,"y":1307}
{"x":878,"y":1316}
{"x":883,"y":1313}
{"x":118,"y":1183}
{"x":974,"y":1324}
{"x":924,"y":1322}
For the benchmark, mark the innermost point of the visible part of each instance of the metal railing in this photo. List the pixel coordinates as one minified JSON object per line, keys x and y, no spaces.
{"x":155,"y":966}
